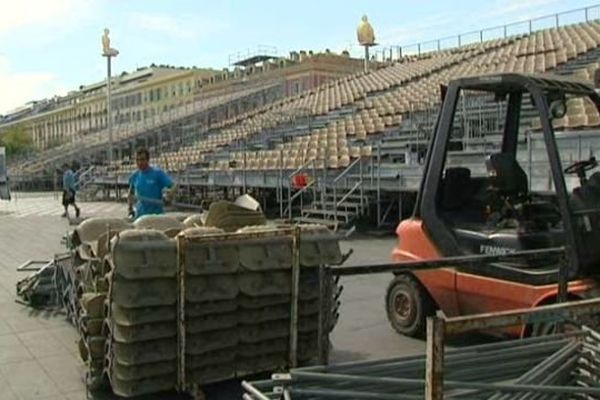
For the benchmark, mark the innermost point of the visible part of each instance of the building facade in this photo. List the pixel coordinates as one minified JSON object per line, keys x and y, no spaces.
{"x":149,"y":92}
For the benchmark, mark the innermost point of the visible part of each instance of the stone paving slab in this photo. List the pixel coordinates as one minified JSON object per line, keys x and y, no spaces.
{"x":38,"y":352}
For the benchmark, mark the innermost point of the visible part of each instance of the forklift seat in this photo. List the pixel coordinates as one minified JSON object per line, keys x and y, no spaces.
{"x":586,"y":199}
{"x":506,"y":175}
{"x":456,"y":188}
{"x":594,"y":183}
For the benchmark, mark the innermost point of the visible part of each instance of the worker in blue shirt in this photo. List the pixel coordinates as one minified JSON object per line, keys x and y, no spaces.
{"x":146,"y":187}
{"x":69,"y":190}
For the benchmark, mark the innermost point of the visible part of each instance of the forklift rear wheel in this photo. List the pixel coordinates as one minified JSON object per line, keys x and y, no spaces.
{"x":408,"y":305}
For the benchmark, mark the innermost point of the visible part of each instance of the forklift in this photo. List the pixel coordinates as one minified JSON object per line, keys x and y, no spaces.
{"x":489,"y":205}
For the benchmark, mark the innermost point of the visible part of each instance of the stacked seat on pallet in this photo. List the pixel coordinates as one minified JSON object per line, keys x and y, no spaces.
{"x":238,"y":301}
{"x":141,"y":323}
{"x":138,"y":332}
{"x":88,"y":282}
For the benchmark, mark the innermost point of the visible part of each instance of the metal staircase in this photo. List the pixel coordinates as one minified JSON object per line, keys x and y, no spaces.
{"x":339,"y":200}
{"x":87,"y":188}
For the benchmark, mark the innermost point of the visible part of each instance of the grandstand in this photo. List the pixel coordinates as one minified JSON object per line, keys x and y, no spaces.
{"x":360,"y":138}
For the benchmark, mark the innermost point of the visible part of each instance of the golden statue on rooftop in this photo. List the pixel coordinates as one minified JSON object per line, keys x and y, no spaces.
{"x":107,"y":51}
{"x":365,"y":33}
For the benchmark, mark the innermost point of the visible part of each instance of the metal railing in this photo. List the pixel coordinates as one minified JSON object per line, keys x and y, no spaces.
{"x":358,"y":185}
{"x":312,"y":184}
{"x":496,"y":32}
{"x":439,"y":327}
{"x":85,"y":176}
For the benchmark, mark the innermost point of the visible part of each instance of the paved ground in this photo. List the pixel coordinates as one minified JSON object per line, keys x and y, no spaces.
{"x":38,"y":354}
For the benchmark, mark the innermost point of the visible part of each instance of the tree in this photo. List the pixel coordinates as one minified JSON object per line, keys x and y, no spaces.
{"x":16,"y":140}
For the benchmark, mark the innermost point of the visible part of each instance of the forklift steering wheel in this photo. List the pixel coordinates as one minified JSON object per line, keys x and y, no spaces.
{"x":581,"y":166}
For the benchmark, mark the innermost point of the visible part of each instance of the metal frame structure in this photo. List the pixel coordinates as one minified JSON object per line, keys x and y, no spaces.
{"x":546,"y":367}
{"x":439,"y":327}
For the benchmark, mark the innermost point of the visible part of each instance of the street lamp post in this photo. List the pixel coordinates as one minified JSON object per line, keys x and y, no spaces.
{"x":109,"y":53}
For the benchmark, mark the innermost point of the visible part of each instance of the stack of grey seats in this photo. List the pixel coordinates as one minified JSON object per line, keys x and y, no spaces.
{"x":141,"y":323}
{"x":238,"y":300}
{"x":155,"y":316}
{"x":85,"y":286}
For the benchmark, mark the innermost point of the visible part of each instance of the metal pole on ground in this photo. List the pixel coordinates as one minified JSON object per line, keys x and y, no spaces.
{"x":434,"y":370}
{"x":293,"y":356}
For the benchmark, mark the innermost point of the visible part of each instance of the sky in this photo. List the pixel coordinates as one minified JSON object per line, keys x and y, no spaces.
{"x":50,"y":47}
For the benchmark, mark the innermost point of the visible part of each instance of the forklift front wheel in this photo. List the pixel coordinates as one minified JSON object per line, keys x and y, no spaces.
{"x":408,"y":305}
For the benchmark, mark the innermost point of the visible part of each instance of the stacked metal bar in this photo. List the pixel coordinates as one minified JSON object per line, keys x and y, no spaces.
{"x":548,"y":367}
{"x":141,"y":318}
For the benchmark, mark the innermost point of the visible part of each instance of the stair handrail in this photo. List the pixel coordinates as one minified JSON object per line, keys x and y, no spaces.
{"x":296,"y":195}
{"x":345,"y":197}
{"x":347,"y":170}
{"x":354,"y":188}
{"x":301,"y":168}
{"x":290,"y":176}
{"x":85,"y":177}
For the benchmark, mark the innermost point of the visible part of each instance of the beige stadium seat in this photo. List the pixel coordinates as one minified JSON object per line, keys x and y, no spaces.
{"x":561,"y":123}
{"x":289,"y":163}
{"x":264,"y":164}
{"x":252,"y":164}
{"x":593,"y":119}
{"x":224,"y":165}
{"x":343,"y":161}
{"x":332,"y":161}
{"x":580,"y":47}
{"x":361,"y":133}
{"x":271,"y":163}
{"x":550,"y":61}
{"x":571,"y":51}
{"x":576,"y":118}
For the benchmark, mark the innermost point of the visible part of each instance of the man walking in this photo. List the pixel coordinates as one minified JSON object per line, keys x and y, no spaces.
{"x":146,"y":187}
{"x":69,"y":190}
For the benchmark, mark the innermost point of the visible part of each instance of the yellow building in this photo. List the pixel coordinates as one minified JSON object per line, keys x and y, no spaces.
{"x":136,"y":96}
{"x":148,"y":92}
